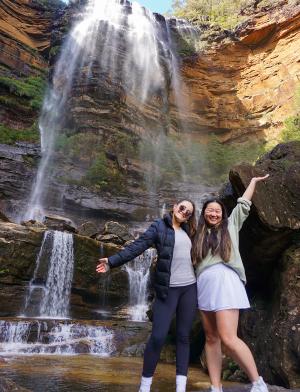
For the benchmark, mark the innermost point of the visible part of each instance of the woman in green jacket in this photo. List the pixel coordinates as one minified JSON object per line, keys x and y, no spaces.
{"x":221,"y":285}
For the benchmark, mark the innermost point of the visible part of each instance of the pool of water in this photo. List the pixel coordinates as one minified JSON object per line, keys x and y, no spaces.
{"x":85,"y":373}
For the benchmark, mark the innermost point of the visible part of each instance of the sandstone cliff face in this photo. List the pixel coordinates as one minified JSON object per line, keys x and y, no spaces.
{"x":242,"y":88}
{"x":25,"y":33}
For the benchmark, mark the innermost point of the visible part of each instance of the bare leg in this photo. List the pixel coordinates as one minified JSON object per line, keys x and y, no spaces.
{"x":227,"y":323}
{"x":212,"y":347}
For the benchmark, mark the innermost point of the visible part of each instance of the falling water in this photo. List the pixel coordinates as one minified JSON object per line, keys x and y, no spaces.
{"x":131,"y":47}
{"x":138,"y":272}
{"x":55,"y":289}
{"x":35,"y":287}
{"x":97,"y":38}
{"x":55,"y":302}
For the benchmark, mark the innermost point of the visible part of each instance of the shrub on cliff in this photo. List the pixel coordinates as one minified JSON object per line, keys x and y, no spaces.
{"x":225,"y":13}
{"x":11,"y":136}
{"x":291,"y":130}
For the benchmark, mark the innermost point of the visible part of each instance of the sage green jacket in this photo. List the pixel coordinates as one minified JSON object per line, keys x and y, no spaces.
{"x":235,"y":222}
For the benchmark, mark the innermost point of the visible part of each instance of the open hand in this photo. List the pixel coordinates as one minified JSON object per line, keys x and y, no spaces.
{"x":257,"y":179}
{"x":103,"y":266}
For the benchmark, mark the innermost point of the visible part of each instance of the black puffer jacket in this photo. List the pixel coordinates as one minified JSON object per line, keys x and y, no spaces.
{"x":160,"y":235}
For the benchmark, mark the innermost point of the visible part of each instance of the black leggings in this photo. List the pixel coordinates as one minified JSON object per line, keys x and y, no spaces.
{"x":183,"y":301}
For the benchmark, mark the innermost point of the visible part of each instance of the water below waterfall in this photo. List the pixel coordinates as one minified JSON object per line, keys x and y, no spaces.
{"x":87,"y":373}
{"x":32,"y":337}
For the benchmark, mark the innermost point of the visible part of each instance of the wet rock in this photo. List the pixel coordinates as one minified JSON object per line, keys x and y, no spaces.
{"x":20,"y":246}
{"x":88,"y":229}
{"x":17,"y":170}
{"x":60,"y":223}
{"x":110,"y":239}
{"x":118,"y":230}
{"x":34,"y":224}
{"x":3,"y":217}
{"x":7,"y":385}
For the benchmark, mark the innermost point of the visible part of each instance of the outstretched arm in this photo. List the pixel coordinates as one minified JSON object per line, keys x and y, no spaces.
{"x":251,"y":187}
{"x":145,"y":241}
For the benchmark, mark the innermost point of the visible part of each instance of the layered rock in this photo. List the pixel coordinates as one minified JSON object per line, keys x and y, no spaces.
{"x":242,"y":88}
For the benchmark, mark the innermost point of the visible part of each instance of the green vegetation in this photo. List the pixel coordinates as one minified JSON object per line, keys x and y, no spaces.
{"x":90,"y":151}
{"x":11,"y":136}
{"x":225,"y":13}
{"x":32,"y":88}
{"x":171,"y":157}
{"x":291,"y":130}
{"x":54,"y":51}
{"x":103,"y":175}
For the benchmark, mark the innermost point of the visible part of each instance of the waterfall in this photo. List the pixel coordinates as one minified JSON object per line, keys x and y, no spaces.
{"x":18,"y":337}
{"x":55,"y":302}
{"x":54,"y":291}
{"x":138,"y":272}
{"x":35,"y":287}
{"x":128,"y":45}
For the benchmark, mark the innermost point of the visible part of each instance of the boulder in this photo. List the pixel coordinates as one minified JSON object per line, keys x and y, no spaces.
{"x":270,"y":249}
{"x":88,"y":229}
{"x":60,"y":223}
{"x":116,"y":233}
{"x":272,"y":327}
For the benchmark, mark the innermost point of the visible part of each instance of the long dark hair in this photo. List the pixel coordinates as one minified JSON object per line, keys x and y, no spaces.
{"x":191,"y":222}
{"x":205,"y":240}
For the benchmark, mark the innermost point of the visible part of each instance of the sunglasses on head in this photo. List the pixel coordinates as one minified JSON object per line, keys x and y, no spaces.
{"x":183,"y":209}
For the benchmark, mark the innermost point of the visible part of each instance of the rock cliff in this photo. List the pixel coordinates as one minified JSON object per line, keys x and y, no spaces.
{"x":241,"y":86}
{"x":269,"y":244}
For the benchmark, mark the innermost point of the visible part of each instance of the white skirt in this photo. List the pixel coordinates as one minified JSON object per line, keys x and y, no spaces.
{"x":219,"y":287}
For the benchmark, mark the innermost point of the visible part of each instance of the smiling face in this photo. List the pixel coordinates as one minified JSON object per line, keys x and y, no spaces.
{"x":183,"y":211}
{"x":213,"y":214}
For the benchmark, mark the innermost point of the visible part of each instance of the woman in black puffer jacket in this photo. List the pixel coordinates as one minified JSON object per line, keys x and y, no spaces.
{"x":174,"y":283}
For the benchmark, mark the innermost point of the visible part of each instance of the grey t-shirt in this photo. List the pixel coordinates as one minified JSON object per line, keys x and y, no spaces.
{"x":182,"y":271}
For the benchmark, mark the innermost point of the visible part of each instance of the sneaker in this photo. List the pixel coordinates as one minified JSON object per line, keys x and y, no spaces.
{"x":216,"y":389}
{"x":259,"y":386}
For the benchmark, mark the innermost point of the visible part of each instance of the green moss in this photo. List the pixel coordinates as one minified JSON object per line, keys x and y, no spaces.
{"x":11,"y":136}
{"x":54,"y":51}
{"x":32,"y":88}
{"x":103,"y":175}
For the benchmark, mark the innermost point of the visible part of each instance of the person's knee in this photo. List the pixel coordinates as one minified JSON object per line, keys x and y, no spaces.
{"x":157,"y":341}
{"x":228,"y":340}
{"x":212,"y":338}
{"x":183,"y":339}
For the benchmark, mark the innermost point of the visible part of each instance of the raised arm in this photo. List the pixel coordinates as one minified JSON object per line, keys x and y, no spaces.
{"x":241,"y":211}
{"x":251,"y":187}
